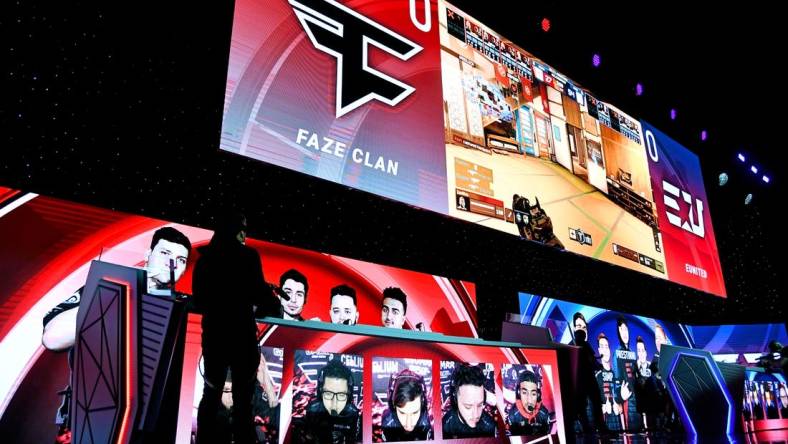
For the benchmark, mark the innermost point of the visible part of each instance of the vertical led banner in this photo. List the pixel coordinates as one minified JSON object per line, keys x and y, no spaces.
{"x":683,"y":213}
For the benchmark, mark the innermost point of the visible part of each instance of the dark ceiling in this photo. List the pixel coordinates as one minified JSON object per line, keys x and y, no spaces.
{"x":120,"y":105}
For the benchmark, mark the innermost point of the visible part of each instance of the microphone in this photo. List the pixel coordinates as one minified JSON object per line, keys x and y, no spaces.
{"x":279,"y":292}
{"x":172,"y":275}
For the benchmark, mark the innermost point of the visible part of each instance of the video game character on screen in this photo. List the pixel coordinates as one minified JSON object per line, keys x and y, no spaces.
{"x":527,"y":400}
{"x":533,"y":223}
{"x":326,"y":398}
{"x":166,"y":259}
{"x":402,"y":409}
{"x":469,"y":400}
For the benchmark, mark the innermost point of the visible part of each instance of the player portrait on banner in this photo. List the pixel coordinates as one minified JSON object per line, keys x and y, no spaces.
{"x":620,"y":387}
{"x":327,"y":391}
{"x":529,"y":403}
{"x":468,"y":400}
{"x":267,"y":395}
{"x":402,"y":405}
{"x":164,"y":262}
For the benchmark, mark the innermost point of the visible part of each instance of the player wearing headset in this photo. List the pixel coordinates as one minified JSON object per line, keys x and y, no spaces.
{"x":407,"y":417}
{"x":528,"y":416}
{"x":467,"y":417}
{"x":332,"y":417}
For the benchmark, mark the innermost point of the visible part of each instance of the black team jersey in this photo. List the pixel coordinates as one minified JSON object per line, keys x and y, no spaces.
{"x":609,"y":387}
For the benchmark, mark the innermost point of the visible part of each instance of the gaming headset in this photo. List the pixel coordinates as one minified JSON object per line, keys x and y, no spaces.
{"x":399,"y":378}
{"x":538,"y":384}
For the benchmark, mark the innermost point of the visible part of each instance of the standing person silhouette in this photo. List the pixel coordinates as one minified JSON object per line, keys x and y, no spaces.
{"x":228,"y":286}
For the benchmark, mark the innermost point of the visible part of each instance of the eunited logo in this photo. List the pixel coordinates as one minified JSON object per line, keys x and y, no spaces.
{"x":347,"y":35}
{"x":673,"y":194}
{"x":695,"y":224}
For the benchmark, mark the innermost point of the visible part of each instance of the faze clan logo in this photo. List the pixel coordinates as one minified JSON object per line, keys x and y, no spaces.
{"x":695,"y":225}
{"x":345,"y":34}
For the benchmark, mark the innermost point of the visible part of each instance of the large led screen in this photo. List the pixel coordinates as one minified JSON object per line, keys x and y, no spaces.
{"x":419,"y":102}
{"x":420,"y":390}
{"x":619,"y":363}
{"x":47,"y":245}
{"x":626,"y":350}
{"x":530,"y":152}
{"x":745,"y":344}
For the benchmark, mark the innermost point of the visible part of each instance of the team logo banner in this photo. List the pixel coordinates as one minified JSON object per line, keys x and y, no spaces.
{"x":345,"y":91}
{"x":683,"y":213}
